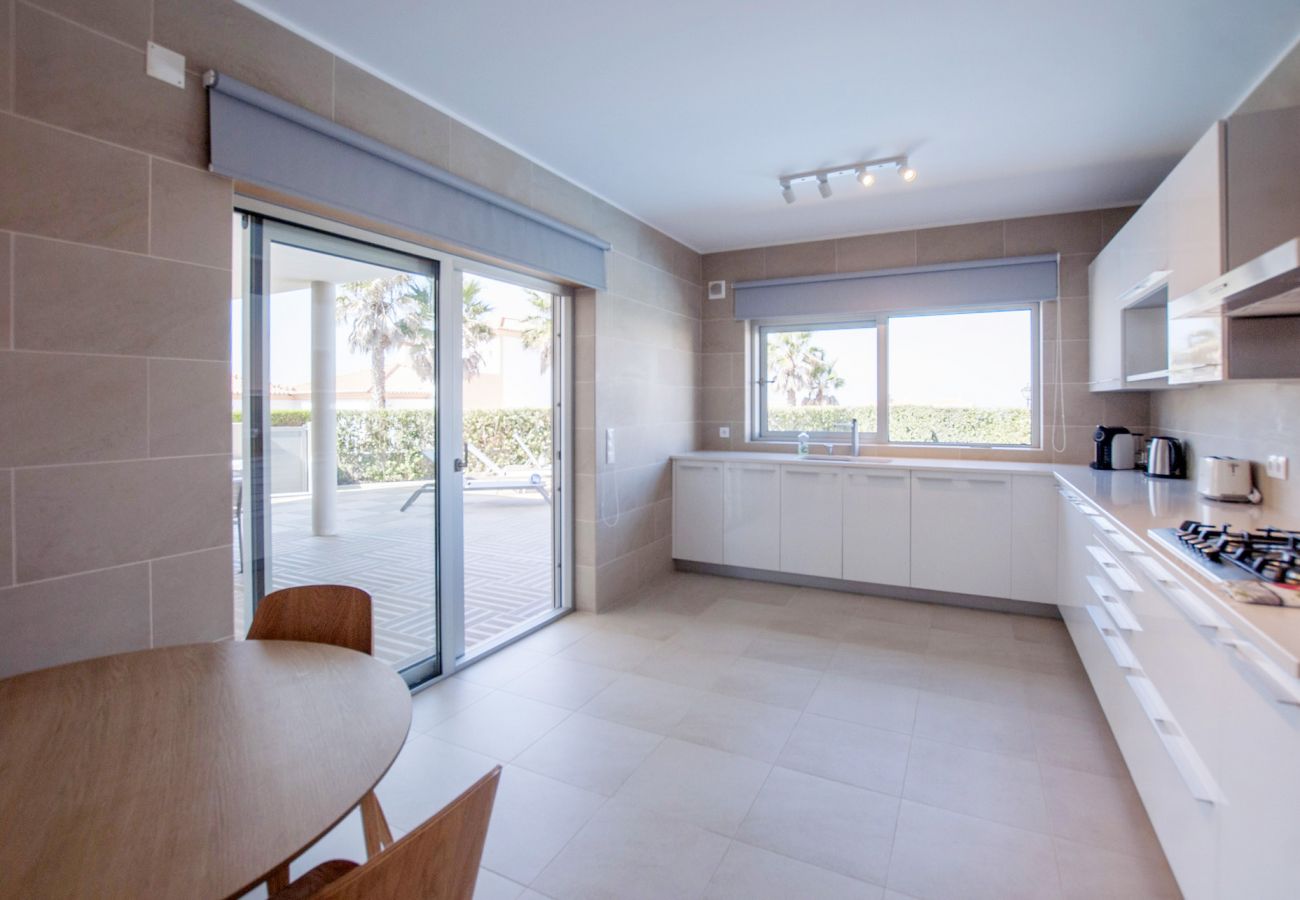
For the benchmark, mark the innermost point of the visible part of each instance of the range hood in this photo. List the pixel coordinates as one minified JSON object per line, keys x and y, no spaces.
{"x":1268,"y":285}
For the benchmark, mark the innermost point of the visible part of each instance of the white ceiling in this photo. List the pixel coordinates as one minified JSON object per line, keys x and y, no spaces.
{"x":684,"y":112}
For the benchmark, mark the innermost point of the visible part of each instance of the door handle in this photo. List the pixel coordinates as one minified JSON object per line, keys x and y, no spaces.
{"x":458,"y":465}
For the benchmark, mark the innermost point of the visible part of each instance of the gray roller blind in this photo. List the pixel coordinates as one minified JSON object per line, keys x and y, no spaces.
{"x":982,"y":282}
{"x":267,"y":141}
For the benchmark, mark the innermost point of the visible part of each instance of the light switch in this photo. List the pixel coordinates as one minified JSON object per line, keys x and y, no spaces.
{"x":724,"y":431}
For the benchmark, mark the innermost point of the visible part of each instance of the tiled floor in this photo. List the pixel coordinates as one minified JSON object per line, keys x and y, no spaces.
{"x":391,"y":554}
{"x":723,"y":738}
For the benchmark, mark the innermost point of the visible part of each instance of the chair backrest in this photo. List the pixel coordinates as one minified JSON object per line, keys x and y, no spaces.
{"x":439,"y":860}
{"x":320,"y":613}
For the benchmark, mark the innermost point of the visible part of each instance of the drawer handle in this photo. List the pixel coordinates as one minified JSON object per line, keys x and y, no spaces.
{"x":744,"y":468}
{"x":705,"y":466}
{"x":1118,"y":609}
{"x":879,"y":476}
{"x":1119,"y":650}
{"x":1117,"y":537}
{"x":1122,"y":580}
{"x":806,"y":473}
{"x":1200,"y":784}
{"x":1284,"y":688}
{"x":932,"y":478}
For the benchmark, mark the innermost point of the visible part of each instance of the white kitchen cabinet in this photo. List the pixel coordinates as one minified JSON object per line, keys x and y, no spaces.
{"x":751,"y":534}
{"x":698,"y":510}
{"x":812,"y":530}
{"x":1033,"y":538}
{"x":878,"y":526}
{"x":961,"y":533}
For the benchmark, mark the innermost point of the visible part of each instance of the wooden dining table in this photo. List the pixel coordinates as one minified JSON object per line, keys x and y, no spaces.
{"x":188,"y":771}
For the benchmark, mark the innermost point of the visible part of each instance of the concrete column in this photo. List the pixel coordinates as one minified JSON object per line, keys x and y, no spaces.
{"x":324,"y":432}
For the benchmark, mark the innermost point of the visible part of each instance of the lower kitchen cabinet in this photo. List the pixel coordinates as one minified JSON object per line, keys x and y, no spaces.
{"x":751,"y":534}
{"x":961,"y":533}
{"x":1033,"y":538}
{"x":812,"y":521}
{"x":878,"y":526}
{"x":698,"y":489}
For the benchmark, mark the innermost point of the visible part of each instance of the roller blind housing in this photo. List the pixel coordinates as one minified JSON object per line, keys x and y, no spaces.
{"x":978,"y":283}
{"x":265,"y":140}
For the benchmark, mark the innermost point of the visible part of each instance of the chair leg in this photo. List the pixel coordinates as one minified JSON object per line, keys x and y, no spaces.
{"x":278,"y":880}
{"x":374,"y":825}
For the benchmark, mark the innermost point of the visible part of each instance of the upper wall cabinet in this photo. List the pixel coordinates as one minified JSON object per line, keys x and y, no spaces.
{"x":1173,"y":244}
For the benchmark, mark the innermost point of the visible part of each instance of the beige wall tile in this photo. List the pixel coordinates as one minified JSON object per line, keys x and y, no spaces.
{"x":222,"y":35}
{"x":190,"y":214}
{"x":61,"y":185}
{"x":796,"y":260}
{"x":64,"y":408}
{"x":875,"y":251}
{"x":189,"y":406}
{"x":126,"y":20}
{"x":77,"y":298}
{"x":1074,"y":274}
{"x":1112,"y":220}
{"x":6,"y":532}
{"x":376,"y":108}
{"x":69,"y":619}
{"x":735,"y":265}
{"x":1080,"y":232}
{"x":77,"y":518}
{"x":556,"y":197}
{"x":6,"y":283}
{"x":70,"y":77}
{"x":486,"y":163}
{"x":956,"y":243}
{"x":6,"y":55}
{"x":191,"y":597}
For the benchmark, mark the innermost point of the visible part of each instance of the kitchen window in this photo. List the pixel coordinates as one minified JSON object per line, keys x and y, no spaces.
{"x":951,"y":377}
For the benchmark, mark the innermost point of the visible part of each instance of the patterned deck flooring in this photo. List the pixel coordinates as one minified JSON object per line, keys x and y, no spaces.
{"x":391,"y":555}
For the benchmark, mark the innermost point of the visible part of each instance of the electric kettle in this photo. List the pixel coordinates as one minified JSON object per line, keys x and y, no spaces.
{"x":1165,"y":458}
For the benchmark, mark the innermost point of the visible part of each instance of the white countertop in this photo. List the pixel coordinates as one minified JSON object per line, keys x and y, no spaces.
{"x":1135,"y":503}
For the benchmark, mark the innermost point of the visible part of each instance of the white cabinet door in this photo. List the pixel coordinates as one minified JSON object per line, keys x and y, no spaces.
{"x":812,"y":528}
{"x":697,"y":510}
{"x":1072,"y":560}
{"x":1033,"y":538}
{"x":878,"y":526}
{"x":1193,"y":194}
{"x":961,"y":533}
{"x":751,"y":534}
{"x":1105,"y":352}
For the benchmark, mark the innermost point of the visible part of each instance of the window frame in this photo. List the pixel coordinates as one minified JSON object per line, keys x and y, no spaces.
{"x":757,"y":382}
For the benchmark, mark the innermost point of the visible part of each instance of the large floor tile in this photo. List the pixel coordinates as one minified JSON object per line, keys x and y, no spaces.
{"x":427,"y":775}
{"x":972,"y":621}
{"x":491,"y":886}
{"x":500,"y":725}
{"x":855,"y":754}
{"x":502,"y":666}
{"x":644,"y":703}
{"x":990,"y":650}
{"x":1063,"y":695}
{"x":942,"y":855}
{"x":873,"y":703}
{"x":881,"y":664}
{"x":443,"y":700}
{"x":1072,"y":743}
{"x":793,"y":650}
{"x":1090,"y":873}
{"x":610,"y":648}
{"x":991,"y":786}
{"x":974,"y":724}
{"x":739,"y":726}
{"x":561,"y":682}
{"x":560,"y":633}
{"x":1098,"y":810}
{"x":871,"y":632}
{"x":590,"y":753}
{"x":686,"y":664}
{"x":976,"y":681}
{"x":628,"y":853}
{"x":700,"y":785}
{"x":764,"y":682}
{"x":534,"y":817}
{"x":751,"y":873}
{"x":828,"y":824}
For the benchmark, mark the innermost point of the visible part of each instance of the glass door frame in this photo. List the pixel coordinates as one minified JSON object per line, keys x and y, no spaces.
{"x":449,"y":271}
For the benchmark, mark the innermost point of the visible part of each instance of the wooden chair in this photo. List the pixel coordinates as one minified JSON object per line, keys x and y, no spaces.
{"x":439,"y":860}
{"x":323,"y":614}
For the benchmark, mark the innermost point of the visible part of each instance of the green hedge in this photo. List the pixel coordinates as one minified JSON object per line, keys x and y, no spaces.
{"x":281,"y":417}
{"x":388,"y":444}
{"x":942,"y":424}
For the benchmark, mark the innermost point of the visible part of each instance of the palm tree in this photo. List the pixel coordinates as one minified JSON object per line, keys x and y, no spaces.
{"x":474,"y":331}
{"x":383,"y":315}
{"x":822,"y":380}
{"x":537,"y":328}
{"x":788,"y":362}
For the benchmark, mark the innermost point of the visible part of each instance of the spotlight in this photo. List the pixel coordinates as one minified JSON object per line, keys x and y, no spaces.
{"x":907,"y":173}
{"x":866,"y":178}
{"x":787,"y":192}
{"x":823,"y":186}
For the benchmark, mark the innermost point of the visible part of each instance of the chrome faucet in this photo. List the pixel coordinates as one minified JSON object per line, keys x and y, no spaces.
{"x":852,"y":425}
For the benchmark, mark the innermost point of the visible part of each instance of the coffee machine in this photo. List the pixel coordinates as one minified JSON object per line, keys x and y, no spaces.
{"x":1114,"y":448}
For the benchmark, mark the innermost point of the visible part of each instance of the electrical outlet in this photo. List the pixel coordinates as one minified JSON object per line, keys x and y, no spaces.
{"x":609,"y":446}
{"x":1276,"y":467}
{"x":724,"y":431}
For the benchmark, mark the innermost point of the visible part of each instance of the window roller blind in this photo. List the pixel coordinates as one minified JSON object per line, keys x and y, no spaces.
{"x":978,"y":283}
{"x":265,"y":140}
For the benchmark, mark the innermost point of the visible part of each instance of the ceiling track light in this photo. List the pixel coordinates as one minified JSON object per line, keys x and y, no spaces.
{"x":864,"y":172}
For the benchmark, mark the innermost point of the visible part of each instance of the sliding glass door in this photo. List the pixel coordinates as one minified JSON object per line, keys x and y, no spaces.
{"x":389,"y":439}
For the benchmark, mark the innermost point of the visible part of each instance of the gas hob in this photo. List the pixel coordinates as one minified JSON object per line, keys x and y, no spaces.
{"x":1265,"y":556}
